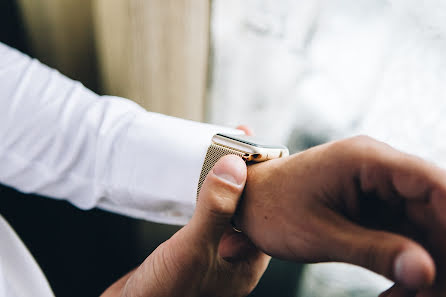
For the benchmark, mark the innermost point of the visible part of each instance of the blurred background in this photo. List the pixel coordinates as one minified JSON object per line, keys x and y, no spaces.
{"x":297,"y":72}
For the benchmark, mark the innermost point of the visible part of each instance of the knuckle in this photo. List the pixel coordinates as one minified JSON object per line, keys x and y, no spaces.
{"x":361,"y":148}
{"x":362,"y":143}
{"x":222,"y":198}
{"x":362,"y":138}
{"x":220,"y":206}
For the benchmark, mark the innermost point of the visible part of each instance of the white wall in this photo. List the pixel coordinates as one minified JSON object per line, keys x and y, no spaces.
{"x":332,"y":68}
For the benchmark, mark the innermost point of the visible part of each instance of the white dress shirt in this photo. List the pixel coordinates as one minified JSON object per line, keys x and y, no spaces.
{"x":60,"y":140}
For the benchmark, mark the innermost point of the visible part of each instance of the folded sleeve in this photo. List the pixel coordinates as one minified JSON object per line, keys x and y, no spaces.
{"x":60,"y":140}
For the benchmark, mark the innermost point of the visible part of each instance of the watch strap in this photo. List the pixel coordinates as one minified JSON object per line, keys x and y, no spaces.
{"x":213,"y":154}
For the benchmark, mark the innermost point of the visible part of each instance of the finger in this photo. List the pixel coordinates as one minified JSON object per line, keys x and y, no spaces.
{"x":393,"y":256}
{"x":439,"y":206}
{"x":408,"y":176}
{"x":218,"y":198}
{"x":397,"y":176}
{"x":248,"y":131}
{"x":235,"y":246}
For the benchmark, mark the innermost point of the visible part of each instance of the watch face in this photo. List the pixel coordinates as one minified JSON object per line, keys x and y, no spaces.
{"x":249,"y":140}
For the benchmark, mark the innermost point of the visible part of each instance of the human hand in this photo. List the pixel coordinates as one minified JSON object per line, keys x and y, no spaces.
{"x":357,"y":201}
{"x":204,"y":258}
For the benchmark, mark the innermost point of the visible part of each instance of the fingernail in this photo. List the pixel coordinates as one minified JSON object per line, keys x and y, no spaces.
{"x":231,"y":169}
{"x":411,"y":269}
{"x":410,"y":186}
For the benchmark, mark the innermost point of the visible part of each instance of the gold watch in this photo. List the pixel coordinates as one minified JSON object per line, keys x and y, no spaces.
{"x":248,"y":148}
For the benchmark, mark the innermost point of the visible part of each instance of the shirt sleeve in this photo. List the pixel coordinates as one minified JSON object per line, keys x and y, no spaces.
{"x":60,"y":140}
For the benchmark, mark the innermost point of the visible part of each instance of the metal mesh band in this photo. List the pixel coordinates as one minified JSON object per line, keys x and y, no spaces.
{"x":214,"y":153}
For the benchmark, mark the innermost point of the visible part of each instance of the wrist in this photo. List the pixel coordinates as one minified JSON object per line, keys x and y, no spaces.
{"x":255,"y":199}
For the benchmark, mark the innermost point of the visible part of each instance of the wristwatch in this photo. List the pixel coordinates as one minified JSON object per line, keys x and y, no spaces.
{"x":248,"y":148}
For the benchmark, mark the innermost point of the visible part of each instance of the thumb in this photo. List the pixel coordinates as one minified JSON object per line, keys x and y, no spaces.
{"x":218,"y":198}
{"x":391,"y":255}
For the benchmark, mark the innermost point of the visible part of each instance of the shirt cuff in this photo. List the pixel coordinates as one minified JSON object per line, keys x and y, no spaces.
{"x":153,"y":167}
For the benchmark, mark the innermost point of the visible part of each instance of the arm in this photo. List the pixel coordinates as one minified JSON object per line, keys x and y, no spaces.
{"x":63,"y":141}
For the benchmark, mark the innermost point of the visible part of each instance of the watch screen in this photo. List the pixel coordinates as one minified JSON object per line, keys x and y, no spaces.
{"x":251,"y":141}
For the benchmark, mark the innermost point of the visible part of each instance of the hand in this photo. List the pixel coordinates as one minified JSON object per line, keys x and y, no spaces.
{"x":357,"y":201}
{"x":206,"y":257}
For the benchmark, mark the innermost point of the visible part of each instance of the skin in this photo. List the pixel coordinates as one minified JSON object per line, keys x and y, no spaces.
{"x":356,"y":200}
{"x":190,"y":263}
